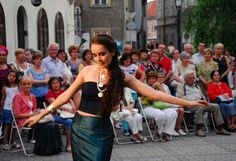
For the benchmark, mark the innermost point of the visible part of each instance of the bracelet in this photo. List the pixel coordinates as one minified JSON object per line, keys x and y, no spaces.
{"x":50,"y":108}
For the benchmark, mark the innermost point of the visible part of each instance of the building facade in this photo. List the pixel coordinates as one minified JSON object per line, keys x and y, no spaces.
{"x":167,"y":22}
{"x":23,"y":25}
{"x":122,"y":19}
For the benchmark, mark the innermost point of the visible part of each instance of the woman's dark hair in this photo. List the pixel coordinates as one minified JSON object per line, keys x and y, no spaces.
{"x":213,"y":72}
{"x":17,"y":77}
{"x":124,"y":57}
{"x":51,"y":80}
{"x":115,"y":88}
{"x":85,"y":52}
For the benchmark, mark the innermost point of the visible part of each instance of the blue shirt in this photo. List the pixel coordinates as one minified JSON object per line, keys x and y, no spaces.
{"x":38,"y":91}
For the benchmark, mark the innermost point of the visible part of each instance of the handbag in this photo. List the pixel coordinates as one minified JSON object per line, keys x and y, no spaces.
{"x":65,"y":114}
{"x":222,"y":99}
{"x":160,"y":105}
{"x":46,"y":118}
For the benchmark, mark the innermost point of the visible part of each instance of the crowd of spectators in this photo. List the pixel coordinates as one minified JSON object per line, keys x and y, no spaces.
{"x":209,"y":74}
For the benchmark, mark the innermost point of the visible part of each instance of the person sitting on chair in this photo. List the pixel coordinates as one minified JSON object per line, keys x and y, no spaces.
{"x":161,"y":86}
{"x":221,"y":93}
{"x":47,"y":135}
{"x":165,"y":117}
{"x":190,"y":91}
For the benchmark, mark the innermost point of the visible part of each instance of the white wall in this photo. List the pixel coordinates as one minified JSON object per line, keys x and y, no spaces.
{"x":52,"y":7}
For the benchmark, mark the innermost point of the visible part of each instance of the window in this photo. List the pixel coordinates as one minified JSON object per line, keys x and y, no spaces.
{"x":2,"y":27}
{"x":100,"y":3}
{"x":43,"y":31}
{"x":59,"y":31}
{"x":22,"y":27}
{"x":96,"y":31}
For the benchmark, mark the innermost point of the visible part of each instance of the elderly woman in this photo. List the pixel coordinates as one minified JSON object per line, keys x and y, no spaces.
{"x":223,"y":62}
{"x":205,"y":68}
{"x":4,"y":67}
{"x":47,"y":135}
{"x":20,"y":64}
{"x":40,"y":79}
{"x":181,"y":69}
{"x":165,"y":117}
{"x":221,"y":93}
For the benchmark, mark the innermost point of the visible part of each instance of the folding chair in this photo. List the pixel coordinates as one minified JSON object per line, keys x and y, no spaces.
{"x":147,"y":121}
{"x":204,"y":122}
{"x":120,"y":139}
{"x":14,"y":125}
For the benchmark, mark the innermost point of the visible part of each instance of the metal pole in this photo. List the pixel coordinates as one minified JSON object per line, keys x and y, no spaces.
{"x":130,"y":29}
{"x":178,"y":28}
{"x":164,"y":21}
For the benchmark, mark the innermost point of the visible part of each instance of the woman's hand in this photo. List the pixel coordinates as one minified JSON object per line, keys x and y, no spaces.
{"x":202,"y":103}
{"x":32,"y":120}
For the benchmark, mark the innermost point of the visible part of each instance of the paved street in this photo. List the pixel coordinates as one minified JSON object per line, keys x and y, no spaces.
{"x":190,"y":148}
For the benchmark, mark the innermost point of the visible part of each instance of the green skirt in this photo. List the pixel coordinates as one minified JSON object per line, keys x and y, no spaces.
{"x":92,"y":138}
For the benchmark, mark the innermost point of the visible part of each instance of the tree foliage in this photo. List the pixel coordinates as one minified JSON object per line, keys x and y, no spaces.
{"x":212,"y":21}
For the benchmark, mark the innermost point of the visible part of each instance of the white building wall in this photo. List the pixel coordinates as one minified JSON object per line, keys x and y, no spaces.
{"x":51,"y":7}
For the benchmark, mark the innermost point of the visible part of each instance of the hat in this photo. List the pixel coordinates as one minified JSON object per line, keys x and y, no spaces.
{"x":3,"y":48}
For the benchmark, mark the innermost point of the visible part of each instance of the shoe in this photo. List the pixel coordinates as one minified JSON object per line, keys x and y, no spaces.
{"x":175,"y":134}
{"x":15,"y":145}
{"x":142,"y":138}
{"x":231,"y":130}
{"x":68,"y":149}
{"x":117,"y":126}
{"x":6,"y":147}
{"x":181,"y":132}
{"x":135,"y":140}
{"x":168,"y":137}
{"x":200,"y":133}
{"x":32,"y":141}
{"x":126,"y":133}
{"x":161,"y":137}
{"x":222,"y":132}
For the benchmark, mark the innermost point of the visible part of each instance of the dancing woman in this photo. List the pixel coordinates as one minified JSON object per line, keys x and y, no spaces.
{"x":102,"y":87}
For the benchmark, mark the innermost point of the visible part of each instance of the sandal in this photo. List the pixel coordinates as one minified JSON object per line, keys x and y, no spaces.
{"x":142,"y":138}
{"x":135,"y":140}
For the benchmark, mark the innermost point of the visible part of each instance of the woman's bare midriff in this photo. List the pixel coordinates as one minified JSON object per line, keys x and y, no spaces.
{"x":86,"y":114}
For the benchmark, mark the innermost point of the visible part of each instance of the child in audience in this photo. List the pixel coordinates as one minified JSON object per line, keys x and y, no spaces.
{"x":8,"y":93}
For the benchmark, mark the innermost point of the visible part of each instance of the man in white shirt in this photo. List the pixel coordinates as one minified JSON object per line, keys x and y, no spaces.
{"x":52,"y":65}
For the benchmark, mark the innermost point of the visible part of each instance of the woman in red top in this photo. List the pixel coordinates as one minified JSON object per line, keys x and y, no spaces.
{"x":54,"y":84}
{"x":216,"y":89}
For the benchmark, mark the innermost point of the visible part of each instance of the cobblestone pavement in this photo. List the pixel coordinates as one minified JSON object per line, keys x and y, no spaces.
{"x":190,"y":148}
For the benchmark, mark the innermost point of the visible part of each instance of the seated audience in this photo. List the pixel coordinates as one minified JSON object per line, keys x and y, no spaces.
{"x":47,"y":135}
{"x":164,"y":116}
{"x":53,"y":93}
{"x":221,"y":93}
{"x":191,"y":91}
{"x":132,"y":116}
{"x":160,"y":85}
